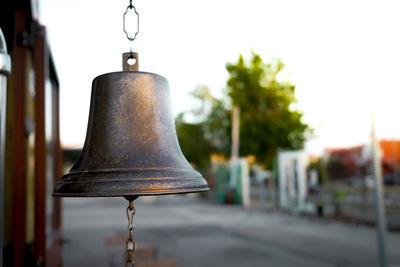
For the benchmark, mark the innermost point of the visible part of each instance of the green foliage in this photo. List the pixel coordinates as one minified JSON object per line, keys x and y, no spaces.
{"x":193,"y":143}
{"x":210,"y":135}
{"x":267,"y":122}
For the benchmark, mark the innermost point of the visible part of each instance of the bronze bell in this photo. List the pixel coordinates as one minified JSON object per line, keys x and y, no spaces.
{"x":131,"y":147}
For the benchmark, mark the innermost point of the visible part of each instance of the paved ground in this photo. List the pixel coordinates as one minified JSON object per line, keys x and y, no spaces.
{"x":196,"y":233}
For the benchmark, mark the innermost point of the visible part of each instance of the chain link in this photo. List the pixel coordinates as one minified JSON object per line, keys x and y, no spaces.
{"x":130,"y":243}
{"x":128,"y":36}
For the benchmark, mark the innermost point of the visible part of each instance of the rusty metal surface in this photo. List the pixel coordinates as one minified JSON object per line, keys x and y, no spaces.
{"x":131,"y":147}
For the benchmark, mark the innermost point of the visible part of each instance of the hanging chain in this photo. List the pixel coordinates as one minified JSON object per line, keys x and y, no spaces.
{"x":131,"y":38}
{"x":130,"y":243}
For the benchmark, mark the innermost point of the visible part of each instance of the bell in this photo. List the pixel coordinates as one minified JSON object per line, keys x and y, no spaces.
{"x":131,"y":148}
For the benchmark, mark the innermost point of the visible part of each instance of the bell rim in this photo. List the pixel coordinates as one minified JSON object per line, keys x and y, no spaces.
{"x":76,"y":184}
{"x":138,"y":193}
{"x":131,"y":173}
{"x":117,"y":170}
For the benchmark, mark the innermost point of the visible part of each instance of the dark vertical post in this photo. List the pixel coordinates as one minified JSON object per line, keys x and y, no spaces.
{"x":58,"y":166}
{"x":19,"y":181}
{"x":59,"y":160}
{"x":40,"y":63}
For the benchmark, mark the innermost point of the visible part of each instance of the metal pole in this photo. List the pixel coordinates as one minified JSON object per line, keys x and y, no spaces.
{"x":379,"y":201}
{"x":5,"y":68}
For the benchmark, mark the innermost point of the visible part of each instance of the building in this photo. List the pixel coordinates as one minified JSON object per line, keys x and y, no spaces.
{"x":344,"y":162}
{"x":356,"y":161}
{"x":32,"y":147}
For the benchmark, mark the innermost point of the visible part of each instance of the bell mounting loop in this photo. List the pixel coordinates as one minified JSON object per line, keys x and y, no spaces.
{"x":129,"y":7}
{"x":130,"y":61}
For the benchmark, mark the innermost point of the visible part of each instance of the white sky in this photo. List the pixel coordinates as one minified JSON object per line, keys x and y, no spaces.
{"x":342,"y":55}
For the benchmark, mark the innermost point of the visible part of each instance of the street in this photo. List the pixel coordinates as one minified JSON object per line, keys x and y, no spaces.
{"x":193,"y":232}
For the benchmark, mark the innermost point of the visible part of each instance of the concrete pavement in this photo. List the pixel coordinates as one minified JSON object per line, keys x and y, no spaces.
{"x":197,"y":233}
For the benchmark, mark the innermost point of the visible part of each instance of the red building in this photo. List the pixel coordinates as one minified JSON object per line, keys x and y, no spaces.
{"x":356,"y":161}
{"x":345,"y":162}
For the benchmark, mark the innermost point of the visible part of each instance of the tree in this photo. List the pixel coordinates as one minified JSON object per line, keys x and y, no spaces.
{"x":209,"y":134}
{"x":193,"y":143}
{"x":267,"y":121}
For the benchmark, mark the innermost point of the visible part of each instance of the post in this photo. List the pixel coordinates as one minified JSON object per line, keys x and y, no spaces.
{"x":41,"y":68}
{"x":245,"y":183}
{"x":5,"y":68}
{"x":235,"y":144}
{"x":19,"y":143}
{"x":379,"y":201}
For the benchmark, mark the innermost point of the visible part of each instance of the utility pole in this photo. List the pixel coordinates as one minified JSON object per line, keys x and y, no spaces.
{"x":380,"y":215}
{"x":235,"y":144}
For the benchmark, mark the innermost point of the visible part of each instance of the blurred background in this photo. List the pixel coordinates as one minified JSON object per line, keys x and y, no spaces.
{"x":287,"y":108}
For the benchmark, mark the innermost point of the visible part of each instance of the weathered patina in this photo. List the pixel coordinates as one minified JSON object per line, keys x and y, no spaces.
{"x":131,"y":148}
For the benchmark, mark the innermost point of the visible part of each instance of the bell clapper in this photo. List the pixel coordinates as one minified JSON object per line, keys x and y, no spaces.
{"x":130,"y":243}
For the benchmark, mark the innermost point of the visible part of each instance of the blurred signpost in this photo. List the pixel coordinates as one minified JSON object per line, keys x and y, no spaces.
{"x":379,"y":201}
